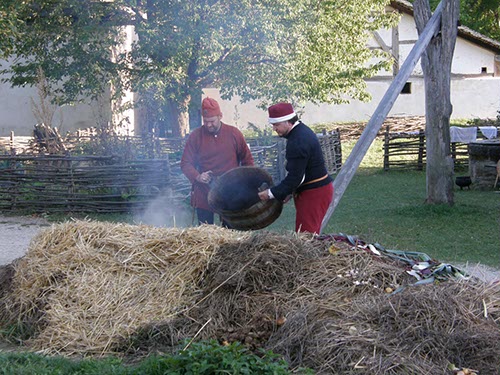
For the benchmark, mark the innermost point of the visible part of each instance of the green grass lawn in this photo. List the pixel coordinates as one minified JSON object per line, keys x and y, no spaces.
{"x":389,"y":208}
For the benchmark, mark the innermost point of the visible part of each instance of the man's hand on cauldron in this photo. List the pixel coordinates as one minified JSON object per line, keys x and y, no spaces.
{"x":205,"y":177}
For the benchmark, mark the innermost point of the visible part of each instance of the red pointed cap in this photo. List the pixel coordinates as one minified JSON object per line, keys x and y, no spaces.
{"x":210,"y":108}
{"x":280,"y":112}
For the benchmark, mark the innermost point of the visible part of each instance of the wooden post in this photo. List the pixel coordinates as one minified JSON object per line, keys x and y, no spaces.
{"x":395,"y":50}
{"x":338,"y":152}
{"x":281,"y":159}
{"x":454,"y":152}
{"x":421,"y":149}
{"x":12,"y":150}
{"x":386,"y":149}
{"x":361,"y":147}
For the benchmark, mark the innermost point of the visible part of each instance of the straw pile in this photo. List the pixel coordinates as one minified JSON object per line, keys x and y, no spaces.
{"x":84,"y":285}
{"x":93,"y":288}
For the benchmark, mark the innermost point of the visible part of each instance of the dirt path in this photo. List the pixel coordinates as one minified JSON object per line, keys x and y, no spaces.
{"x":16,"y":233}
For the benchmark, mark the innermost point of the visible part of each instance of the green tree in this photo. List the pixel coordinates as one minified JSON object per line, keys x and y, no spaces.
{"x":71,"y":42}
{"x":9,"y":25}
{"x":480,"y":15}
{"x":307,"y":50}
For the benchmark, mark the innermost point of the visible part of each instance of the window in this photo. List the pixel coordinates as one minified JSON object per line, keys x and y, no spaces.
{"x":407,"y":88}
{"x":484,"y":70}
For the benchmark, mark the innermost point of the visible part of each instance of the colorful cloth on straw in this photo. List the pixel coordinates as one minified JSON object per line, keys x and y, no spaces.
{"x":419,"y":265}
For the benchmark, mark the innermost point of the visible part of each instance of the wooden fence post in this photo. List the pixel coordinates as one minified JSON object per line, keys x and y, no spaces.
{"x":421,"y":150}
{"x":12,"y":149}
{"x":281,"y":161}
{"x":338,"y":150}
{"x":386,"y":149}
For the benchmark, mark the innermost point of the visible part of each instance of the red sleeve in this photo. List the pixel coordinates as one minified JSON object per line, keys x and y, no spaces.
{"x":188,"y":160}
{"x":244,"y":155}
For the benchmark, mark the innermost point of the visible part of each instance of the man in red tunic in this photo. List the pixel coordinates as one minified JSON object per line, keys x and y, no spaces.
{"x":211,"y":150}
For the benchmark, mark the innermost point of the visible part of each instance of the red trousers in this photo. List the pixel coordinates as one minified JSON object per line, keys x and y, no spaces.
{"x":311,"y":206}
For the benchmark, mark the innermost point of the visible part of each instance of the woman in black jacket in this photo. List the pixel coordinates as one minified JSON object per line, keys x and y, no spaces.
{"x":307,"y":179}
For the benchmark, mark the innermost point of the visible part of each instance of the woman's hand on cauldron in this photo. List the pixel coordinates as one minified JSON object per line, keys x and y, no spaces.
{"x":264,"y":195}
{"x":204,"y":177}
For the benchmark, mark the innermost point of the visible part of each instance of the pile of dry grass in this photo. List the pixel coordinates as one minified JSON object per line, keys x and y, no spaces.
{"x":94,"y":288}
{"x":82,"y":286}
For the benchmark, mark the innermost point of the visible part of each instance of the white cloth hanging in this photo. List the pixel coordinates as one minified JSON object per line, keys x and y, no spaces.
{"x":489,"y":131}
{"x":463,"y":135}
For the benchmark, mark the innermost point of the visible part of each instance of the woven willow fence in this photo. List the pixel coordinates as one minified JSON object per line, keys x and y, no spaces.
{"x":79,"y":184}
{"x":407,"y":150}
{"x":132,"y":172}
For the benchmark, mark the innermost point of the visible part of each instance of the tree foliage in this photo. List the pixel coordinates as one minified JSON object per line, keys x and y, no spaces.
{"x":307,"y":50}
{"x":480,"y":15}
{"x":70,"y":41}
{"x":9,"y":26}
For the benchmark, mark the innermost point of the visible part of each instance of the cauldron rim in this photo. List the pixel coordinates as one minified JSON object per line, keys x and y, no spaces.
{"x":252,"y":217}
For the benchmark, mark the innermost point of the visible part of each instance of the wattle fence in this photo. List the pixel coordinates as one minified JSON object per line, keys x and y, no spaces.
{"x":407,"y":150}
{"x":79,"y":183}
{"x":109,"y":173}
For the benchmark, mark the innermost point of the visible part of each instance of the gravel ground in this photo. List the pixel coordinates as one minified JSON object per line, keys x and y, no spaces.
{"x":16,"y":233}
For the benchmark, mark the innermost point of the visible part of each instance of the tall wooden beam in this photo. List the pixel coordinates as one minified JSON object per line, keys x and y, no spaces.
{"x":395,"y":50}
{"x":361,"y":147}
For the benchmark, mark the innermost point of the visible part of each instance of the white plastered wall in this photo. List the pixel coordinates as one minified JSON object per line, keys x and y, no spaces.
{"x":16,"y":113}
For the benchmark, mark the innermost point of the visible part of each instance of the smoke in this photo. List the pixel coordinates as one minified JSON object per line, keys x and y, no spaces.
{"x":166,"y":210}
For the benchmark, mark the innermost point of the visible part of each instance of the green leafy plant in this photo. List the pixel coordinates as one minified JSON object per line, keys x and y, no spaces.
{"x":209,"y":357}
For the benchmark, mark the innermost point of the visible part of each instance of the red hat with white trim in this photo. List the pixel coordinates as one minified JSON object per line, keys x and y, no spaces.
{"x":280,"y":112}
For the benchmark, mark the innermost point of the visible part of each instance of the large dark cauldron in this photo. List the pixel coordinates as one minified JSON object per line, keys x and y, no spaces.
{"x":234,"y":196}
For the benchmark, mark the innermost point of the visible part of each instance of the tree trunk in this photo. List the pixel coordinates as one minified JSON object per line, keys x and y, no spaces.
{"x":436,"y":64}
{"x":195,"y":111}
{"x":178,"y":117}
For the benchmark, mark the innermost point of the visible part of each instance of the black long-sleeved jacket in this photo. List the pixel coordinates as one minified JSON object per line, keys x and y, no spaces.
{"x":304,"y":157}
